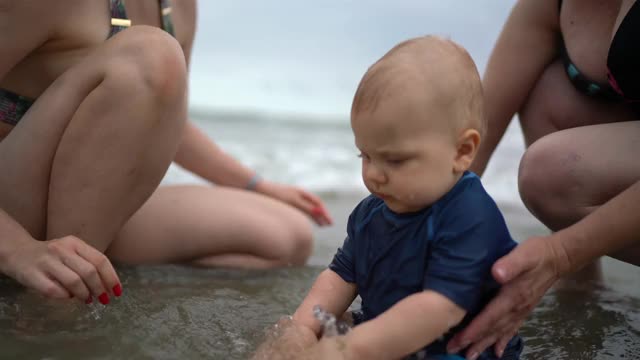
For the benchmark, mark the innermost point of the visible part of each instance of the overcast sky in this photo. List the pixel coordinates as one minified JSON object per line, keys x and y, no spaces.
{"x":307,"y":57}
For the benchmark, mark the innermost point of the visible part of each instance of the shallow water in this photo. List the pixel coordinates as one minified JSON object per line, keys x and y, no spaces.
{"x":170,"y":312}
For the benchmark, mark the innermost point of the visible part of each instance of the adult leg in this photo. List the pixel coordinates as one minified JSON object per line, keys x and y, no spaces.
{"x":214,"y":226}
{"x":97,"y":142}
{"x":568,"y":174}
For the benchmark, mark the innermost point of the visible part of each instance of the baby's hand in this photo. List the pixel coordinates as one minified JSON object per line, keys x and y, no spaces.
{"x":328,"y":348}
{"x":286,"y":340}
{"x":330,"y":326}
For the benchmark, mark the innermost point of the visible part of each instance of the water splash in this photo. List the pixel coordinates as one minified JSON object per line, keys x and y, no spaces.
{"x":330,"y":325}
{"x":95,"y":310}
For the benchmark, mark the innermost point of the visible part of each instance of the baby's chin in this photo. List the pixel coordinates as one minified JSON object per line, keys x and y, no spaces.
{"x":399,"y":207}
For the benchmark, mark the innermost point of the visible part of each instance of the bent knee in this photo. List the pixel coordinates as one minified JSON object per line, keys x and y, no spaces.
{"x":548,"y":182}
{"x":147,"y":60}
{"x":296,"y":244}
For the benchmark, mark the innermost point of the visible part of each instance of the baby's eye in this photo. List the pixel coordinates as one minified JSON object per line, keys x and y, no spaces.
{"x":363,"y":156}
{"x":396,"y":162}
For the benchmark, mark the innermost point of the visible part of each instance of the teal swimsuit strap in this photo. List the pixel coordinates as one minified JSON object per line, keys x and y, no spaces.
{"x":165,"y":11}
{"x":120,"y":20}
{"x":13,"y":107}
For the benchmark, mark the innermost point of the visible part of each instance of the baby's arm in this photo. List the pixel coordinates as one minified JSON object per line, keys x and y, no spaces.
{"x":405,"y":328}
{"x":329,"y":291}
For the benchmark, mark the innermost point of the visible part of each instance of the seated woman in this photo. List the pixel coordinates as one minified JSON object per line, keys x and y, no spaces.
{"x":92,"y":113}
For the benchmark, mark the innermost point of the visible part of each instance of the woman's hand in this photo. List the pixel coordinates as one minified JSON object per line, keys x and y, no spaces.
{"x":526,"y":274}
{"x":63,"y":268}
{"x":296,"y":197}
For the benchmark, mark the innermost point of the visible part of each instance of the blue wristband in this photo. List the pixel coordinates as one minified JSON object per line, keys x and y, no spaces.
{"x":253,"y":182}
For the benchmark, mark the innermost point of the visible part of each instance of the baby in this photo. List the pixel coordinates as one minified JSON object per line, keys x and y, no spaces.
{"x":419,"y":249}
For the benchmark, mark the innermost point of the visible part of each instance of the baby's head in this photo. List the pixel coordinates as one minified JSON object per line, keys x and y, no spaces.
{"x":417,"y":117}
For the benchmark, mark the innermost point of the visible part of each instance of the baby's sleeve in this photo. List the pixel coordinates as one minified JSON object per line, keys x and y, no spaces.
{"x":466,"y":245}
{"x":343,"y":261}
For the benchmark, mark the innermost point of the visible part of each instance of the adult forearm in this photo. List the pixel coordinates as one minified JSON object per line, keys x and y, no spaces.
{"x":611,"y":228}
{"x":198,"y":154}
{"x":526,"y":46}
{"x":12,"y":235}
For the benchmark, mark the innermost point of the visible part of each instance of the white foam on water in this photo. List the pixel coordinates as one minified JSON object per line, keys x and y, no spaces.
{"x":322,"y":157}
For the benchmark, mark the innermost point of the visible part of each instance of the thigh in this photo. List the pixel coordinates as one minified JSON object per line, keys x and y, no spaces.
{"x":189,"y":222}
{"x":594,"y":162}
{"x":555,"y":104}
{"x":588,"y":166}
{"x":27,"y":153}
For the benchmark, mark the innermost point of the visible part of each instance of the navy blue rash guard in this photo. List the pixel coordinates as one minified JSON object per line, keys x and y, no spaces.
{"x":448,"y":247}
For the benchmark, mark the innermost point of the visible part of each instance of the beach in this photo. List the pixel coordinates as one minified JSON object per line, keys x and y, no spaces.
{"x":271,"y":83}
{"x":172,"y":311}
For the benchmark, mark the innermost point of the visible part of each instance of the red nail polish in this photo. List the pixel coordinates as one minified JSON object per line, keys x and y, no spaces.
{"x":117,"y":290}
{"x":89,"y":300}
{"x":104,"y":298}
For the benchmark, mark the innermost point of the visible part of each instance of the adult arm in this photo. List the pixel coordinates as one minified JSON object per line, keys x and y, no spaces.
{"x":18,"y":35}
{"x":527,"y":44}
{"x":531,"y":268}
{"x":200,"y":155}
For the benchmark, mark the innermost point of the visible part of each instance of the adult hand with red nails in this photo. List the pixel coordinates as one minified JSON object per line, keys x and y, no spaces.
{"x":63,"y":268}
{"x":303,"y":200}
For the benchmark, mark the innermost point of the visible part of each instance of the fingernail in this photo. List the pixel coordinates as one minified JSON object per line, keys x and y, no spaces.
{"x":455,"y":350}
{"x":104,"y":298}
{"x":89,"y":300}
{"x":500,"y":353}
{"x":117,"y":290}
{"x":473,"y":356}
{"x":501,"y":273}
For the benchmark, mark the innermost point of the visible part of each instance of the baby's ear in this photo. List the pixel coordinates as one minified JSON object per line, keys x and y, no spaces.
{"x":466,"y":150}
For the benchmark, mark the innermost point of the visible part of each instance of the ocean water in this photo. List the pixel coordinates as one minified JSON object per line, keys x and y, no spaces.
{"x":319,"y":154}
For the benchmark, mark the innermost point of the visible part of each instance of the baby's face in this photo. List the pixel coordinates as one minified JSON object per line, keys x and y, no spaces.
{"x":407,"y":152}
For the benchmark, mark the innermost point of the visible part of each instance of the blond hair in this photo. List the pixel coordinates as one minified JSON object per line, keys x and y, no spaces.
{"x":436,"y":62}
